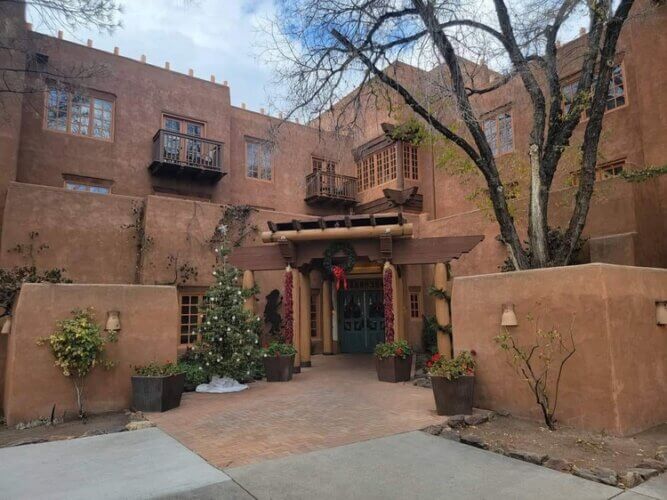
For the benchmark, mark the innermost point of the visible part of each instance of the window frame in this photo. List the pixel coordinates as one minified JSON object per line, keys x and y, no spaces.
{"x":494,"y":116}
{"x":378,"y":168}
{"x":192,"y":337}
{"x":263,"y":144}
{"x":414,"y":292}
{"x":585,"y":113}
{"x":91,"y":95}
{"x":599,"y":171}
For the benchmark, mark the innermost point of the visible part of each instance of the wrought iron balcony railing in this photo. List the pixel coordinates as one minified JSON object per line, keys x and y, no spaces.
{"x":327,"y":187}
{"x":181,"y":154}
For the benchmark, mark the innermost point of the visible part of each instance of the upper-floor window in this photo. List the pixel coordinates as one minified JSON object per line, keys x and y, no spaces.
{"x":87,"y":188}
{"x":377,"y":168}
{"x":499,"y":134}
{"x":322,"y":165}
{"x":79,"y":113}
{"x":616,"y":93}
{"x":410,"y":164}
{"x":258,"y":160}
{"x":568,"y":91}
{"x":603,"y":172}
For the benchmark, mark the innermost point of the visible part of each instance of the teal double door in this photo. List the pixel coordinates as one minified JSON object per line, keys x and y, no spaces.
{"x":361,"y":319}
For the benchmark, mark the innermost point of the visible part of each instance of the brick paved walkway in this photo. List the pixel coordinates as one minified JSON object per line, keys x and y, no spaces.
{"x":338,"y":401}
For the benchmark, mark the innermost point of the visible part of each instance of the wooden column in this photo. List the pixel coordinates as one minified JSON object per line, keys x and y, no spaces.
{"x":248,"y":283}
{"x":399,"y":315}
{"x":304,"y":320}
{"x":296,"y":315}
{"x":442,"y":309}
{"x":394,"y":289}
{"x":327,"y":334}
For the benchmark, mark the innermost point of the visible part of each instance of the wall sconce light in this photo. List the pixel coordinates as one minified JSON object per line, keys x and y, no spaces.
{"x":113,"y":321}
{"x":509,"y":317}
{"x":661,"y":312}
{"x":6,"y":326}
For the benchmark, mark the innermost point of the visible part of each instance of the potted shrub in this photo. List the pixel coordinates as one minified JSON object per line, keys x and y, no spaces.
{"x":278,"y":359}
{"x":393,"y":361}
{"x":157,"y":387}
{"x":453,"y":382}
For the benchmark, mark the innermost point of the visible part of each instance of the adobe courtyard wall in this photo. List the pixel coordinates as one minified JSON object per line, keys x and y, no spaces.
{"x":149,"y":332}
{"x":617,"y":379}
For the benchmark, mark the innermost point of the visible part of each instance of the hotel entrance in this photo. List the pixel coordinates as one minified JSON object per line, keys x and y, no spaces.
{"x":361,"y":316}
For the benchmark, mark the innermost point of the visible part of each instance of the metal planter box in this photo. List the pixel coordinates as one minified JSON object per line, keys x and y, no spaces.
{"x":393,"y":369}
{"x":157,"y":394}
{"x":453,"y":397}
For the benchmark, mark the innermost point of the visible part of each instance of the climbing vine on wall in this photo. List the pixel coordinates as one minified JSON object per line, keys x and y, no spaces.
{"x":183,"y":271}
{"x":643,"y":174}
{"x":143,"y":241}
{"x":234,"y":226}
{"x":31,"y":249}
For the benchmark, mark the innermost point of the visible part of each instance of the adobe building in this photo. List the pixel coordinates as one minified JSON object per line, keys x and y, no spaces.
{"x":126,"y":181}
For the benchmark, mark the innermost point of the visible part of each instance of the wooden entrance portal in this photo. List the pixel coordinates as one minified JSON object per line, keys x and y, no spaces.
{"x":352,"y":320}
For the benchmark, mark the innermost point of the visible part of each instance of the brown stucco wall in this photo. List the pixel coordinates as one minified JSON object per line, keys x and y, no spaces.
{"x":84,"y":232}
{"x":616,"y":381}
{"x":149,"y":319}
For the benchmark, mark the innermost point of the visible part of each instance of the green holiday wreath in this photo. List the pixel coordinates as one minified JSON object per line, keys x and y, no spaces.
{"x":333,"y":249}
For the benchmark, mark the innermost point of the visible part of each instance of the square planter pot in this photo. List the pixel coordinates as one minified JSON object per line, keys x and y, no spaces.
{"x":157,"y":394}
{"x":453,"y":397}
{"x":278,"y":368}
{"x":393,"y":369}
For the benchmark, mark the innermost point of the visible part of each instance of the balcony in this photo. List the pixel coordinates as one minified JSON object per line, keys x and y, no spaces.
{"x":182,"y":155}
{"x":327,"y":188}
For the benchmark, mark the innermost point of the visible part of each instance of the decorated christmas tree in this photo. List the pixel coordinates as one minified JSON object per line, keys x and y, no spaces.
{"x":230,"y":333}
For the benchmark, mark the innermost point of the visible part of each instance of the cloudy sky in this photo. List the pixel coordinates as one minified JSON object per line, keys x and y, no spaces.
{"x":217,"y":37}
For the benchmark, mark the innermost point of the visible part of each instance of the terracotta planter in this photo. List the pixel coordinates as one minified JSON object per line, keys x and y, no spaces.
{"x":453,"y":397}
{"x":157,"y":393}
{"x":393,"y":369}
{"x":279,"y":368}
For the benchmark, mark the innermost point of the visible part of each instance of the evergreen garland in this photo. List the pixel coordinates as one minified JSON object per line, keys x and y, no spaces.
{"x":387,"y":288}
{"x":230,"y":333}
{"x":288,"y":311}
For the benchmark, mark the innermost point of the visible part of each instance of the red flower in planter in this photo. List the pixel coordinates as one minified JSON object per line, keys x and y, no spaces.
{"x":399,"y":352}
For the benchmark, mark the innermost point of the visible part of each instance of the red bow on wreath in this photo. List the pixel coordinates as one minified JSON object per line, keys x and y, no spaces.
{"x":339,"y":274}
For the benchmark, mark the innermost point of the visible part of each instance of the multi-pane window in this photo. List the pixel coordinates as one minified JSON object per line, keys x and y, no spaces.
{"x":415,"y":302}
{"x":568,"y":91}
{"x":616,"y":94}
{"x":258,"y":160}
{"x":499,"y":134}
{"x":603,"y":172}
{"x":190,"y":316}
{"x":314,"y":316}
{"x":87,"y":188}
{"x":410,"y":164}
{"x":377,"y":168}
{"x":79,"y":114}
{"x":321,"y":165}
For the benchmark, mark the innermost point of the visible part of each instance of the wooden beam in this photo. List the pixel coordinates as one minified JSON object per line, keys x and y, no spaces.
{"x":372,"y":219}
{"x":322,"y":223}
{"x":348,"y":222}
{"x":288,"y":251}
{"x":296,"y":224}
{"x":272,"y":226}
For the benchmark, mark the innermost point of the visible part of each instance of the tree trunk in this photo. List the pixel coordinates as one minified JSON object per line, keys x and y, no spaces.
{"x":537,"y":224}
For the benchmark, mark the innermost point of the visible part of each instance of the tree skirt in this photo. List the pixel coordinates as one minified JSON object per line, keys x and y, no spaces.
{"x":221,"y":385}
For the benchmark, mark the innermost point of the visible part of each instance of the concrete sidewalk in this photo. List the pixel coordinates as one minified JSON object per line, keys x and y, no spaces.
{"x":129,"y":465}
{"x":414,"y":465}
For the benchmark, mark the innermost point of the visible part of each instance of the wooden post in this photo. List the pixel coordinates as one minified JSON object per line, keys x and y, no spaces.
{"x":296,"y":313}
{"x":304,"y":320}
{"x":399,"y":315}
{"x":327,"y":338}
{"x":442,"y":310}
{"x":248,"y":283}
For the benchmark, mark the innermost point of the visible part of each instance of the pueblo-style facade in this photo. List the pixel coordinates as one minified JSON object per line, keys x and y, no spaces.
{"x":129,"y":180}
